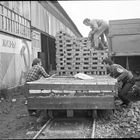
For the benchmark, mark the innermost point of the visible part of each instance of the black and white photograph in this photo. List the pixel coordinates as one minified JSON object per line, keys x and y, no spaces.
{"x":69,"y":69}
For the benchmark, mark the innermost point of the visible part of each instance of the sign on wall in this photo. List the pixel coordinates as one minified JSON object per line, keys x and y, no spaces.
{"x":15,"y":60}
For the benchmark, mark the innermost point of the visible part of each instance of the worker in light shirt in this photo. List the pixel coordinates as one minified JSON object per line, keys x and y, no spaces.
{"x":99,"y":29}
{"x":122,"y":75}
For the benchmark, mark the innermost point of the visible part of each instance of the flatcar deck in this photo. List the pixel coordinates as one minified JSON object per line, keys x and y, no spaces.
{"x":72,"y":93}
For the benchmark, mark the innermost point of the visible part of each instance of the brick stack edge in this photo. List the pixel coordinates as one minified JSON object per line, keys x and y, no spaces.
{"x":74,"y":55}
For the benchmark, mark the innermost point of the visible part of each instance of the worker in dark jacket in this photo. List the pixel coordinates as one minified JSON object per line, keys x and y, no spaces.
{"x":122,"y":75}
{"x":36,"y":72}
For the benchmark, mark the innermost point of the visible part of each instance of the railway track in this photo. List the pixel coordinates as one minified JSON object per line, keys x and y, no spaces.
{"x":67,"y":128}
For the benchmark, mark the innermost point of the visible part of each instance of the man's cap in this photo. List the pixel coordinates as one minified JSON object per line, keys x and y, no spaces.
{"x":36,"y":61}
{"x":86,"y":20}
{"x":108,"y":61}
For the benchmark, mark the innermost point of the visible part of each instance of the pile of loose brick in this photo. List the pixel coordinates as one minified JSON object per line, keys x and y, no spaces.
{"x":74,"y":55}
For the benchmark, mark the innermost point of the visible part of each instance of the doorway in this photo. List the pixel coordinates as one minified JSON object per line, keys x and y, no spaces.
{"x":48,"y":53}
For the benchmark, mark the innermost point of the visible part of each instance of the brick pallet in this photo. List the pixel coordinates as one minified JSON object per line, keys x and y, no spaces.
{"x":74,"y":55}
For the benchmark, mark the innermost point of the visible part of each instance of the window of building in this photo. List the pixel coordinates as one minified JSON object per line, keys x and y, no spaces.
{"x":13,"y":23}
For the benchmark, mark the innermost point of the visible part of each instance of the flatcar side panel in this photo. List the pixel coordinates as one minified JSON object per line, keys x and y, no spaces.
{"x":105,"y":102}
{"x":70,"y":87}
{"x":72,"y":93}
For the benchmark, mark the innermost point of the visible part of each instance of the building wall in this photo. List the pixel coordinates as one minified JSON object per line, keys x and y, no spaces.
{"x":36,"y":43}
{"x":15,"y":60}
{"x":47,"y":19}
{"x":21,"y":7}
{"x":19,"y":44}
{"x":15,"y":43}
{"x":43,"y":19}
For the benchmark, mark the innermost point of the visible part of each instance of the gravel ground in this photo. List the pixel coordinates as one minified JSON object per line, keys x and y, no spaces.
{"x":124,"y":123}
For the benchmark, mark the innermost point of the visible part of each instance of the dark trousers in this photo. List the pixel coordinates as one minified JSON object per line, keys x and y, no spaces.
{"x":124,"y":93}
{"x":134,"y":94}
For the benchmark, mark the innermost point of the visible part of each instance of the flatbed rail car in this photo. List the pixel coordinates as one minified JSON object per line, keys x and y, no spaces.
{"x":63,"y":92}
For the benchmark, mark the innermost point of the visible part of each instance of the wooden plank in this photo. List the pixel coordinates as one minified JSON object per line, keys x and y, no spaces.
{"x":127,"y":26}
{"x":85,"y":86}
{"x":74,"y":93}
{"x":106,"y":102}
{"x":125,"y":21}
{"x":71,"y":80}
{"x":126,"y":44}
{"x":127,"y":54}
{"x":40,"y":91}
{"x":124,"y":31}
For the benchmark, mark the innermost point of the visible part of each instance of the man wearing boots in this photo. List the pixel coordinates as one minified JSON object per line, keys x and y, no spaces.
{"x":122,"y":75}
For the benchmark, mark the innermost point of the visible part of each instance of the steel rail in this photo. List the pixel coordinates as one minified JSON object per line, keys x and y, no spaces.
{"x":93,"y":128}
{"x":43,"y":127}
{"x":48,"y":122}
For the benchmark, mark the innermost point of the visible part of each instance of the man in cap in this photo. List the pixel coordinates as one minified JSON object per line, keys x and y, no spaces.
{"x":36,"y":72}
{"x":122,"y":75}
{"x":99,"y":29}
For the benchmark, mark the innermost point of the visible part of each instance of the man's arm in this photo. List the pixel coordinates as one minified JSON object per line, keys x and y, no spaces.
{"x":94,"y":26}
{"x":90,"y":35}
{"x":43,"y":72}
{"x":122,"y":76}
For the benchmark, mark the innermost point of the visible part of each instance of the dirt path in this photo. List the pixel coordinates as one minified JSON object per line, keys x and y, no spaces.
{"x":14,"y":118}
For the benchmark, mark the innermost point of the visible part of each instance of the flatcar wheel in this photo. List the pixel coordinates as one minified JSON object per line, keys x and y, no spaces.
{"x":89,"y":113}
{"x":50,"y":113}
{"x":94,"y":114}
{"x":32,"y":112}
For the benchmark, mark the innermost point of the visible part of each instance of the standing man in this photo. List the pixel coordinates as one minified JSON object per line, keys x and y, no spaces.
{"x":100,"y":29}
{"x":122,"y":75}
{"x":36,"y":71}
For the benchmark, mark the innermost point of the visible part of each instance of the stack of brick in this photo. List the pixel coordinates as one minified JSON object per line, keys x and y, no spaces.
{"x":74,"y":55}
